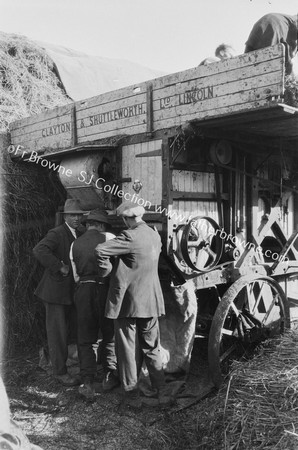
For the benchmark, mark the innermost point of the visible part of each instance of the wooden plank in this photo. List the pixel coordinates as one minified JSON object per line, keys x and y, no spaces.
{"x":227,"y":82}
{"x":128,"y":131}
{"x":275,"y":127}
{"x":44,"y":128}
{"x":149,"y":101}
{"x":99,"y":117}
{"x":64,"y":140}
{"x":190,"y":181}
{"x":151,"y":153}
{"x":127,"y":107}
{"x":73,"y":118}
{"x":186,"y":99}
{"x":44,"y":117}
{"x":276,"y":111}
{"x":102,"y":99}
{"x":106,"y":113}
{"x":183,"y":209}
{"x":214,"y":107}
{"x":197,"y":195}
{"x":195,"y":93}
{"x":269,"y":54}
{"x":126,"y":93}
{"x":288,"y":246}
{"x":148,"y":170}
{"x":40,"y":145}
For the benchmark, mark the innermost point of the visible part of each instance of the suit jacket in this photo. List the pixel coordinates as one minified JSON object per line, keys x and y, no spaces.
{"x":135,"y":289}
{"x":84,"y":259}
{"x":50,"y":251}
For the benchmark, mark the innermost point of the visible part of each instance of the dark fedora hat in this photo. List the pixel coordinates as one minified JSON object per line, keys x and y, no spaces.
{"x":97,"y":215}
{"x":72,"y":206}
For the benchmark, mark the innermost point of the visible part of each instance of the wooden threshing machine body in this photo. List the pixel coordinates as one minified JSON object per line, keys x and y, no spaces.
{"x":211,"y":153}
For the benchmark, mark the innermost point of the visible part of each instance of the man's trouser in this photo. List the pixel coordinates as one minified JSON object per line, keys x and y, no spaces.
{"x":137,"y":339}
{"x":58,"y":320}
{"x":90,"y":299}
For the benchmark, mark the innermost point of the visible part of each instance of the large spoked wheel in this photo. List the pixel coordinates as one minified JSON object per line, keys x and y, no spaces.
{"x":253,"y":309}
{"x":201,"y":244}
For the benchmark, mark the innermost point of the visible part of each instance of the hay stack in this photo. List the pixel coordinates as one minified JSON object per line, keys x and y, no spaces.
{"x":29,"y":84}
{"x":29,"y":207}
{"x":291,"y":91}
{"x":258,"y":409}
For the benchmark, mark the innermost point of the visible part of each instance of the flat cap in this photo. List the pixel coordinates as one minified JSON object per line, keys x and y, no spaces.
{"x":130,"y":209}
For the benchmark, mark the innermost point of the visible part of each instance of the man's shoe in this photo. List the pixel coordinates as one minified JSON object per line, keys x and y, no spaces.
{"x":87,"y":391}
{"x":67,"y":380}
{"x":110,"y":381}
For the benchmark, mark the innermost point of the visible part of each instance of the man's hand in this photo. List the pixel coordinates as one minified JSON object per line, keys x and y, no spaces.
{"x":64,"y":270}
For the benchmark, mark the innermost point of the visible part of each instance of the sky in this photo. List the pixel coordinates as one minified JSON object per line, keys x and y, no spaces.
{"x":166,"y":35}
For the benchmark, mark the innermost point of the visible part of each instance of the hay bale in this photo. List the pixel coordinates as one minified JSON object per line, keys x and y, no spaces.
{"x":29,"y":81}
{"x":31,"y":199}
{"x":29,"y":85}
{"x":291,"y":90}
{"x":258,"y":408}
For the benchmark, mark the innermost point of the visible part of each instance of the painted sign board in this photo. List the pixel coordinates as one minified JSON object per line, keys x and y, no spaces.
{"x":243,"y":83}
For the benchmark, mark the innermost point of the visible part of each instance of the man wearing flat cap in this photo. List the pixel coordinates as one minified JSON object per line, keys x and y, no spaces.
{"x":90,"y":299}
{"x":135,"y":300}
{"x":56,"y":287}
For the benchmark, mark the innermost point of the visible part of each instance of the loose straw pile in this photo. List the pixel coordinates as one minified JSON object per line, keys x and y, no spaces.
{"x":29,"y":84}
{"x":291,"y":91}
{"x":258,"y":408}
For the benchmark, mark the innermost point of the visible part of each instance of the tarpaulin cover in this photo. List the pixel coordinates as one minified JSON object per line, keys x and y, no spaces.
{"x":85,"y":76}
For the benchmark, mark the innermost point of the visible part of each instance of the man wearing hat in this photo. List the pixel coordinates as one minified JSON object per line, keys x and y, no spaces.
{"x":56,"y":287}
{"x":135,"y":300}
{"x":90,"y":299}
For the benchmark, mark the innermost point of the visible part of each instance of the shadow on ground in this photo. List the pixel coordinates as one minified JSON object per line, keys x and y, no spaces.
{"x":56,"y":417}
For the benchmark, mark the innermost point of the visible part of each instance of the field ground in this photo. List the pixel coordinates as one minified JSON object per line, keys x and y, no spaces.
{"x":55,"y":417}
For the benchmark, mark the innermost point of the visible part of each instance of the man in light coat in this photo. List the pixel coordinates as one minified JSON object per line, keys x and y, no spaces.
{"x":135,"y":300}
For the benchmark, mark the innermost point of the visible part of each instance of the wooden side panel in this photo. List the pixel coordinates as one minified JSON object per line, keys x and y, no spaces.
{"x":146,"y":169}
{"x":196,"y":183}
{"x":115,"y":113}
{"x":186,"y":209}
{"x":49,"y":130}
{"x":190,"y":181}
{"x":126,"y":115}
{"x":242,"y":83}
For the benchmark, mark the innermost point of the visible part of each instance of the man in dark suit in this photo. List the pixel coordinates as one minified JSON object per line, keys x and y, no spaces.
{"x":135,"y":300}
{"x":272,"y":29}
{"x":90,"y":300}
{"x":56,"y":287}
